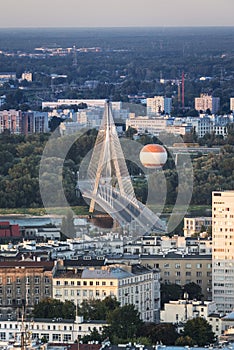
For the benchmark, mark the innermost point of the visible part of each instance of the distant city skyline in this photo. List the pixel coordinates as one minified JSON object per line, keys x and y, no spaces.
{"x":121,"y":13}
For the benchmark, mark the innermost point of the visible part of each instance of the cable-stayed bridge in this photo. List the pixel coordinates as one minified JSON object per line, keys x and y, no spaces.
{"x":107,"y":184}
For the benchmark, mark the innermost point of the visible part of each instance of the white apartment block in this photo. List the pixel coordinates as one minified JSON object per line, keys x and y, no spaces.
{"x":205,"y":102}
{"x":183,"y":310}
{"x":223,"y":250}
{"x":134,"y":284}
{"x":179,"y":312}
{"x":158,"y":104}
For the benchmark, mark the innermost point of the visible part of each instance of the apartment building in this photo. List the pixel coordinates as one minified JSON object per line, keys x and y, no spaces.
{"x":18,"y":122}
{"x":158,"y":104}
{"x":182,"y":269}
{"x":223,"y":250}
{"x":10,"y":120}
{"x":23,"y":283}
{"x":206,"y":101}
{"x":133,"y":284}
{"x":232,"y":104}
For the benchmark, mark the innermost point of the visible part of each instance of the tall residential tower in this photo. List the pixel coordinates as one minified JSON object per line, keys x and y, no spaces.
{"x":223,"y":250}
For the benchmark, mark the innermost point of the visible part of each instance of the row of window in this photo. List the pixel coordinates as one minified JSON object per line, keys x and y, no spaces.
{"x":84,"y":283}
{"x":18,"y":290}
{"x":29,"y":279}
{"x":187,"y":273}
{"x":187,"y":266}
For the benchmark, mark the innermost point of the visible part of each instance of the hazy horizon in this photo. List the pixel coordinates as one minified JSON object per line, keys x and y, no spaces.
{"x":121,"y":13}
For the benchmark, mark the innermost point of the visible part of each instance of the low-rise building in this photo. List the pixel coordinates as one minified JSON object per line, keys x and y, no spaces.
{"x":56,"y":330}
{"x":193,"y":226}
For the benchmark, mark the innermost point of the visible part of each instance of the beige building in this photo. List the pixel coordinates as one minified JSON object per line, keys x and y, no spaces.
{"x":193,"y":226}
{"x":133,"y":284}
{"x":206,"y":101}
{"x":158,"y":104}
{"x":27,"y":76}
{"x":182,"y":269}
{"x":223,"y":250}
{"x":232,"y":104}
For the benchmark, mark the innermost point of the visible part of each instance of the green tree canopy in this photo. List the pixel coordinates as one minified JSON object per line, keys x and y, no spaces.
{"x":124,"y":324}
{"x":200,"y":331}
{"x":194,"y":290}
{"x":53,"y":308}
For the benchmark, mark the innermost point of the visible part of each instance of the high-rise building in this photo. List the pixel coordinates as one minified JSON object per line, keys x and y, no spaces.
{"x":10,"y":120}
{"x":223,"y":250}
{"x":232,"y":104}
{"x":158,"y":105}
{"x":205,"y":102}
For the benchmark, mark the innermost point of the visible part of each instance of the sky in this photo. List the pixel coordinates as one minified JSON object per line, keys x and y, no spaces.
{"x":115,"y":13}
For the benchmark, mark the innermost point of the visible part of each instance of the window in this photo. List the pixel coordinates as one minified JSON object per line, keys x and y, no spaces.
{"x":2,"y":335}
{"x":45,"y":336}
{"x":188,"y":273}
{"x":18,"y":280}
{"x":199,"y":266}
{"x":37,"y":291}
{"x":66,"y":283}
{"x":199,"y":273}
{"x":84,"y":283}
{"x":8,"y":280}
{"x":18,"y":290}
{"x":36,"y":280}
{"x":103,"y":283}
{"x":47,"y":280}
{"x":56,"y":337}
{"x":78,"y":283}
{"x":91,"y":283}
{"x":177,"y":266}
{"x":58,"y":283}
{"x":67,"y":337}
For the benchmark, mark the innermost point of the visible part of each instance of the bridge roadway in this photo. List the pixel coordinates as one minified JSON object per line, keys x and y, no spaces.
{"x":123,"y":209}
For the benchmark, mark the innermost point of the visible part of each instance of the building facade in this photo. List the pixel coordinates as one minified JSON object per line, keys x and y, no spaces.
{"x":54,"y":331}
{"x":193,"y":226}
{"x":223,"y":250}
{"x":23,"y":283}
{"x":132,"y":284}
{"x":205,"y":102}
{"x":182,"y":269}
{"x":158,"y":105}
